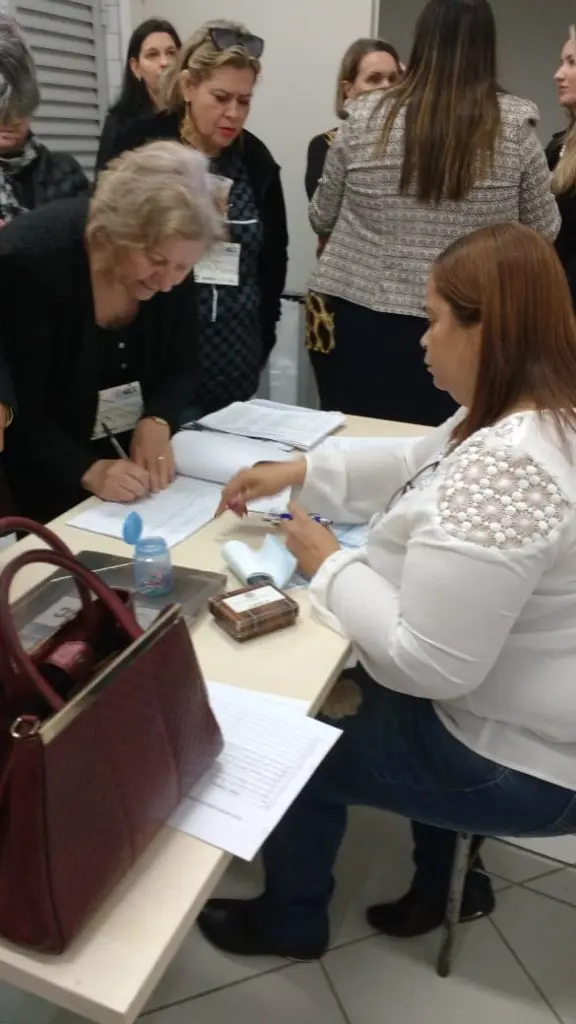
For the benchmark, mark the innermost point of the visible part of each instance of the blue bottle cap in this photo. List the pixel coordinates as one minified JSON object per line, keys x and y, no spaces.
{"x":132,"y":528}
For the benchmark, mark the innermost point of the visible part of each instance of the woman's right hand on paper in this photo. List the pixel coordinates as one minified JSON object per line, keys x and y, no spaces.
{"x":260,"y":481}
{"x":116,"y":480}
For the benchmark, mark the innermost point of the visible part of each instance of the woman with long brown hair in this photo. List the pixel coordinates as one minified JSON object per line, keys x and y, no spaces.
{"x":410,"y":171}
{"x":461,"y":607}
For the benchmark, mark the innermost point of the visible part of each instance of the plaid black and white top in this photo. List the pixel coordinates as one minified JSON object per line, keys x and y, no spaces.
{"x":382,"y":244}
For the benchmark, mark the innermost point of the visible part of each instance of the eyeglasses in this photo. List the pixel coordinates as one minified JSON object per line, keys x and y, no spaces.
{"x":227,"y":38}
{"x":429,"y":469}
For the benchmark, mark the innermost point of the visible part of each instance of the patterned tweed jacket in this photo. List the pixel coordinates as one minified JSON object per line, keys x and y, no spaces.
{"x":382,"y":243}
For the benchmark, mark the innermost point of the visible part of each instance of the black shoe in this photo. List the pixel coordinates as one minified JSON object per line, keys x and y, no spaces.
{"x":233,"y":927}
{"x":415,"y":915}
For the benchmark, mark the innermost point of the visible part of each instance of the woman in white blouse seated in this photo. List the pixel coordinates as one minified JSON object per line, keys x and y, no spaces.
{"x":461,"y":607}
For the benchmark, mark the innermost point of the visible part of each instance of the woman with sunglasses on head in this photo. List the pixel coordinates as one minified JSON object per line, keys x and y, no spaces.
{"x":561,"y":153}
{"x":153,"y":47}
{"x":367,"y":65}
{"x":207,"y":98}
{"x":461,"y":607}
{"x":411,"y":170}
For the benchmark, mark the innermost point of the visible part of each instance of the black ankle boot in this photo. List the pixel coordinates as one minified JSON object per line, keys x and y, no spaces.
{"x":235,"y":926}
{"x":417,"y":914}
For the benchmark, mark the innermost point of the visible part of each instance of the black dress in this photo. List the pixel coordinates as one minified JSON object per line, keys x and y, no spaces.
{"x":60,"y":359}
{"x":566,"y":240}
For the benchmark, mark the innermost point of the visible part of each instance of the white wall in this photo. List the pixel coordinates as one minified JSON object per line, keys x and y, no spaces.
{"x":305,"y":40}
{"x":531,"y":34}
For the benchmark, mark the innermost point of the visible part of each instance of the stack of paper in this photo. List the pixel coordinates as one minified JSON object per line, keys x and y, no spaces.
{"x":270,"y":751}
{"x":286,"y":424}
{"x":205,"y":462}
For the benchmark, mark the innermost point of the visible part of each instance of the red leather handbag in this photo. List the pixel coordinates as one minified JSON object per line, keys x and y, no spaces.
{"x":104,"y":728}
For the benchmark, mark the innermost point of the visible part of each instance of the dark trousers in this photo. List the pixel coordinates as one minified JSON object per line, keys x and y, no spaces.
{"x":376,"y":368}
{"x":395,"y":754}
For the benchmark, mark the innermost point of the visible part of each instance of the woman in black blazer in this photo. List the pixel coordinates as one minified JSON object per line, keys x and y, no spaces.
{"x":98,"y":322}
{"x":208,"y":95}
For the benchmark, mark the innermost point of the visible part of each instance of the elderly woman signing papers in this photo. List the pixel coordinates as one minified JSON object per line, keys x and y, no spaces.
{"x":98,"y":318}
{"x":461,"y":607}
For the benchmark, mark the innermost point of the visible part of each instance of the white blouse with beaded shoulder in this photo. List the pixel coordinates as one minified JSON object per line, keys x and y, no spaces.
{"x":465,"y":593}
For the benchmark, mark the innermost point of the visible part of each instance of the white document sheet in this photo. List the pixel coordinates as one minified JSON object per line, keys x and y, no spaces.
{"x":224,"y":692}
{"x":205,"y":461}
{"x":358,"y":444}
{"x":174,"y":514}
{"x":270,"y":752}
{"x":287,"y":424}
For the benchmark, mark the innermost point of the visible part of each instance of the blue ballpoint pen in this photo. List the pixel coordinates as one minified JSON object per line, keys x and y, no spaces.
{"x":277,"y":517}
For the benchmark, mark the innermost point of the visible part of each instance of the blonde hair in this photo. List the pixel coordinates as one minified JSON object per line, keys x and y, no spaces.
{"x":564,"y":176}
{"x":151,"y":194}
{"x":199,"y":58}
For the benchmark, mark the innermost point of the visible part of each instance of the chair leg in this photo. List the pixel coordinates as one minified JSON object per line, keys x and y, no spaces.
{"x":454,"y":902}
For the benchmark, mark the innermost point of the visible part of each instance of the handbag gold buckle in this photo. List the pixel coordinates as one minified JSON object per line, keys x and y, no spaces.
{"x":24,"y":727}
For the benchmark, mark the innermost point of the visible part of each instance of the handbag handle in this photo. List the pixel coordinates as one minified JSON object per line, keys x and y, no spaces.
{"x":18,"y":524}
{"x":13,"y":648}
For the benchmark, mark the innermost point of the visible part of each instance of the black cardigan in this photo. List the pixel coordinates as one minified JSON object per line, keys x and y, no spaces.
{"x":317,"y":153}
{"x":54,"y":351}
{"x":264,"y":175}
{"x":566,"y":240}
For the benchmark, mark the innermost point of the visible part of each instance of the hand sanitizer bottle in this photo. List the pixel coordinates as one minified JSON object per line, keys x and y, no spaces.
{"x":153,"y":575}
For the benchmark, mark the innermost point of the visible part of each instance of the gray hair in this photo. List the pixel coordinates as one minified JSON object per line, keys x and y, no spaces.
{"x":19,"y":92}
{"x":162,"y":190}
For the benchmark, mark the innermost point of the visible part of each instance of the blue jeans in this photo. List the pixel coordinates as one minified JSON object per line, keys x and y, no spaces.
{"x":395,"y":754}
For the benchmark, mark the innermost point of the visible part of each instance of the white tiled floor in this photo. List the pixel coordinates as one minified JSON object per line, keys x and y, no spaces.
{"x":517,"y":968}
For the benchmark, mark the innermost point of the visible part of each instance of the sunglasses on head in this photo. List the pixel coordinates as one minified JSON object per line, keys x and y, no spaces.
{"x":227,"y":38}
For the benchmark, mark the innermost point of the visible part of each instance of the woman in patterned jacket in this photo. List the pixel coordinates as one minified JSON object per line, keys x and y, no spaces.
{"x":443,"y":153}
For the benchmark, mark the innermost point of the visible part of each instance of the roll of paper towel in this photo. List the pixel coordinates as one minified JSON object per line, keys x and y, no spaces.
{"x":272,"y":560}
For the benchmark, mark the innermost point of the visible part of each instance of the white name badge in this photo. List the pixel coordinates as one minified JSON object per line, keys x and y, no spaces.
{"x":220,"y":265}
{"x":120,"y":408}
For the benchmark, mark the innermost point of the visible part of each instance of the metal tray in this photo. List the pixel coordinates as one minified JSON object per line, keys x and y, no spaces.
{"x":49,"y":604}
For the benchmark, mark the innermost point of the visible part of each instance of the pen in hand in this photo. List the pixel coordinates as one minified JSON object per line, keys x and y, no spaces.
{"x":278,"y":517}
{"x":115,"y":444}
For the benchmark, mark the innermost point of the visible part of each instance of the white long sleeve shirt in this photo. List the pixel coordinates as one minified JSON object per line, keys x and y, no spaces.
{"x":465,"y":592}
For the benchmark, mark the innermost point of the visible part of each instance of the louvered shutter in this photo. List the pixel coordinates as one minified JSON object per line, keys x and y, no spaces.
{"x":68,"y":43}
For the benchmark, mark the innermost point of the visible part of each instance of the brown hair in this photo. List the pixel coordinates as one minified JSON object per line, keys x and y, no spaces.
{"x":199,"y":58}
{"x":509,"y":279}
{"x":564,"y":177}
{"x":450,"y":93}
{"x":350,"y":66}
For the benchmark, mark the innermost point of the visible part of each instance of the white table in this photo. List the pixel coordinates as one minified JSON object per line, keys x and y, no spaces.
{"x":109,"y":973}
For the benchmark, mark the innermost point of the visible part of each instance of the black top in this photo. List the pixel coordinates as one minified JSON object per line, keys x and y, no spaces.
{"x":116,"y":124}
{"x":264,"y":177}
{"x":60,"y":358}
{"x":51,"y":176}
{"x":566,"y":240}
{"x":317,"y":153}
